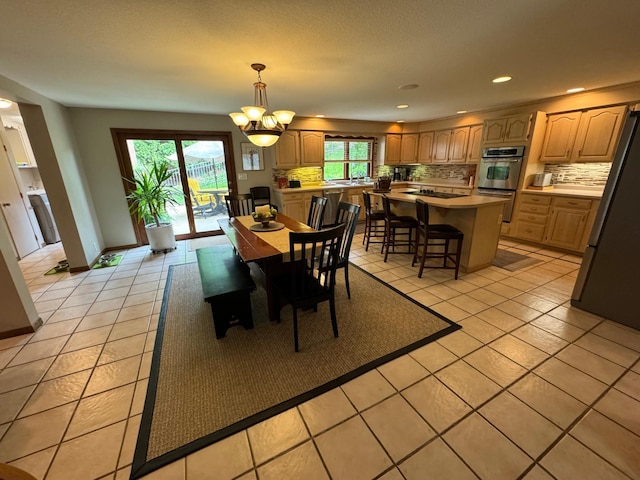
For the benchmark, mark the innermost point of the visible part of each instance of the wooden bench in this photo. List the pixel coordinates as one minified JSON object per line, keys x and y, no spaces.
{"x":226,"y":284}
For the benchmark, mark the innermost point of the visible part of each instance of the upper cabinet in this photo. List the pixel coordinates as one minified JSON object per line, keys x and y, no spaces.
{"x":288,"y":150}
{"x":588,"y":136}
{"x":409,"y":148}
{"x":450,"y":146}
{"x":425,"y":147}
{"x":393,"y":148}
{"x":19,"y":143}
{"x":401,"y":148}
{"x":311,"y":149}
{"x":474,"y":152}
{"x":512,"y":130}
{"x":300,"y":149}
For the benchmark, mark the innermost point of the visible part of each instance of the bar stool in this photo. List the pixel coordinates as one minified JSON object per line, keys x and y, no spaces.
{"x":436,"y":235}
{"x":393,"y":223}
{"x":373,"y":223}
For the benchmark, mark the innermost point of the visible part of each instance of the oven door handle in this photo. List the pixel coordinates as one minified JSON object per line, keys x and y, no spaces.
{"x":501,"y":160}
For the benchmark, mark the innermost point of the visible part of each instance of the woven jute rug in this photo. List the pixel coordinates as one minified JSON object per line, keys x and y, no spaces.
{"x":202,"y":389}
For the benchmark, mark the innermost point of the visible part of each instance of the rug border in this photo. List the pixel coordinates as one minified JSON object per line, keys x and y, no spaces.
{"x":141,"y":467}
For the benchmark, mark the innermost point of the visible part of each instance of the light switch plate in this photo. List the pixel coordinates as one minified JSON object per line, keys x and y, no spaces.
{"x":242,"y":176}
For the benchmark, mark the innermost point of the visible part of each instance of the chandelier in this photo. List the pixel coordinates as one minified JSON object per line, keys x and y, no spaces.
{"x":257,"y":122}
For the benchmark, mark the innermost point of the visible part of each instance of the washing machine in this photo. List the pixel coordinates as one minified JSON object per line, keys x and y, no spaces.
{"x":42,"y":209}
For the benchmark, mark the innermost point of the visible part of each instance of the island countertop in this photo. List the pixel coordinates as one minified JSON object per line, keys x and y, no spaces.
{"x":466,"y":201}
{"x":478,"y":217}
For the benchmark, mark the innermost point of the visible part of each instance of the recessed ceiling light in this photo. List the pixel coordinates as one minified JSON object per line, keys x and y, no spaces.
{"x":403,"y":105}
{"x":4,"y":103}
{"x":575,"y":90}
{"x":461,"y":111}
{"x":409,"y":86}
{"x":501,"y":79}
{"x":320,"y":116}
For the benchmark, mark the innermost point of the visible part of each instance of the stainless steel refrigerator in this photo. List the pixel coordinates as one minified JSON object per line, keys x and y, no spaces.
{"x":608,"y":283}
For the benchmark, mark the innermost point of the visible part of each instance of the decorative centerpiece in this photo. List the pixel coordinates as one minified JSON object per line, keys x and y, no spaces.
{"x":264,"y":214}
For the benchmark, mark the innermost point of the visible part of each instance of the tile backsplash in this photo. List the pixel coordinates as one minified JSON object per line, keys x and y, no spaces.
{"x":420,"y":172}
{"x":586,"y":174}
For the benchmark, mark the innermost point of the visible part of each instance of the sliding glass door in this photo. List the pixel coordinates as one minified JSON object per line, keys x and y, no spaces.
{"x":202,"y":168}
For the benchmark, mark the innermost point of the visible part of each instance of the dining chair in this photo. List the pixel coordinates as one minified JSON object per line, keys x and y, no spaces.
{"x":261,"y":196}
{"x":373,"y":222}
{"x":307,"y":285}
{"x":346,"y":214}
{"x":239,"y":204}
{"x":398,"y":229}
{"x":316,"y":212}
{"x":438,"y":236}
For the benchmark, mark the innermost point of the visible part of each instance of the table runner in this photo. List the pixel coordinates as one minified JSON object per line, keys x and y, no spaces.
{"x":278,"y":239}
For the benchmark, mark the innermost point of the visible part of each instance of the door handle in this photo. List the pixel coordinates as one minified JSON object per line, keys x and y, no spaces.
{"x":6,"y":204}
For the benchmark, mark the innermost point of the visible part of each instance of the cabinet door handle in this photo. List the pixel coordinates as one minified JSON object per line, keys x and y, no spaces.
{"x":580,"y":152}
{"x":6,"y":204}
{"x":572,"y":203}
{"x":568,"y":151}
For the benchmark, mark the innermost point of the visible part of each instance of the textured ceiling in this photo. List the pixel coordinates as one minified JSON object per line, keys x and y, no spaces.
{"x":344,"y":59}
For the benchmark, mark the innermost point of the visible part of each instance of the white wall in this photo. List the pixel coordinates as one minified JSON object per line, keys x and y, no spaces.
{"x":92,"y":129}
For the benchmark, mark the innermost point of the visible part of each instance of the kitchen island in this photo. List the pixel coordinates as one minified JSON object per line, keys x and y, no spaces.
{"x":478,"y":217}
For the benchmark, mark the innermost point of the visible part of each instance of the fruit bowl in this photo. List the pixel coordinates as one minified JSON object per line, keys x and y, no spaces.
{"x":264,"y":218}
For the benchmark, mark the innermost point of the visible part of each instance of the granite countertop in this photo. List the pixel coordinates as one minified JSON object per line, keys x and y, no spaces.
{"x":569,"y":191}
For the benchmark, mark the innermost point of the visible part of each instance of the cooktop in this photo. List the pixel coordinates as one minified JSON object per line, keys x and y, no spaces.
{"x":433,"y":193}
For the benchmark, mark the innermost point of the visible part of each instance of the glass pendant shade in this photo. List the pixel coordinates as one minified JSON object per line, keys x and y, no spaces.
{"x":253,"y":113}
{"x":257,"y":122}
{"x":263,"y":138}
{"x":240,"y":119}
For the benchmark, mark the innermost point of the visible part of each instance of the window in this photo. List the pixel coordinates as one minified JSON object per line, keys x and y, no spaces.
{"x":346,"y":158}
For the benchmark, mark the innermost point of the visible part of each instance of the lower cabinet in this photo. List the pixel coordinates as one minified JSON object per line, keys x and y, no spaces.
{"x":568,"y":223}
{"x":563,"y":222}
{"x":296,"y":204}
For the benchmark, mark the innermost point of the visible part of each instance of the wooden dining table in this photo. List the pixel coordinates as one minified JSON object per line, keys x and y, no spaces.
{"x":269,"y":250}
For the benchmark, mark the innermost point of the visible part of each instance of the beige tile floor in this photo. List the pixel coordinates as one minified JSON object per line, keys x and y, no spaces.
{"x":529,"y":388}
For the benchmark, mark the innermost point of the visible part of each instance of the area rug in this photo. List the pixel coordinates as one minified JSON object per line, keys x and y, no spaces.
{"x":202,"y":390}
{"x":513,"y":261}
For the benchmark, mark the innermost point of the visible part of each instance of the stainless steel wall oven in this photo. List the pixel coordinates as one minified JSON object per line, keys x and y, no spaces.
{"x":498,"y":174}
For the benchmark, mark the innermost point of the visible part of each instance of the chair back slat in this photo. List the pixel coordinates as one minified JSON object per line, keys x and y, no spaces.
{"x":310,"y":250}
{"x":316,"y":212}
{"x":239,"y":204}
{"x":347,"y":214}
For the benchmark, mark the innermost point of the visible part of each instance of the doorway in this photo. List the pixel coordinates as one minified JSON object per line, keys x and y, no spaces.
{"x":202,"y":166}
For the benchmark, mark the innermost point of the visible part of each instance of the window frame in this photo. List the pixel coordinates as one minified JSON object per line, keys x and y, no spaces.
{"x":346,"y":161}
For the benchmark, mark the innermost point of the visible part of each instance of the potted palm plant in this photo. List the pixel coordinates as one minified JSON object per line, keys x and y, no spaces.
{"x":149,"y":198}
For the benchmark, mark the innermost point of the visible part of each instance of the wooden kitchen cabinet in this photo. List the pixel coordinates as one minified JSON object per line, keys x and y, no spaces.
{"x":586,"y":136}
{"x":568,"y":222}
{"x":558,"y":221}
{"x":450,"y":146}
{"x":425,"y":147}
{"x":409,"y":148}
{"x":288,"y":150}
{"x":512,"y":130}
{"x":531,"y":217}
{"x":311,"y":149}
{"x":300,"y":149}
{"x":474,"y":152}
{"x":393,"y":148}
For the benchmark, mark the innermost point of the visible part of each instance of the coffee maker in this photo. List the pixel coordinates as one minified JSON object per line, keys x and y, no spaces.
{"x":400,"y":174}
